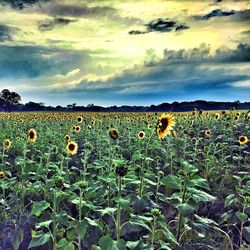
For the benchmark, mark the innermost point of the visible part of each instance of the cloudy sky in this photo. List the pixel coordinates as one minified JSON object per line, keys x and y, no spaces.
{"x":117,"y":52}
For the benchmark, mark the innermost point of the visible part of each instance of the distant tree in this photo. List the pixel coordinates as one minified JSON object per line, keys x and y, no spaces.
{"x":10,"y":99}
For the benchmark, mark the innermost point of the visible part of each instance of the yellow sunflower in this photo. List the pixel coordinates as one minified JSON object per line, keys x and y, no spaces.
{"x":7,"y":144}
{"x":32,"y":136}
{"x":80,"y":119}
{"x":243,"y":139}
{"x":113,"y":133}
{"x":72,"y":147}
{"x":217,"y":116}
{"x":2,"y":174}
{"x":67,"y":138}
{"x":141,"y":135}
{"x":236,"y":117}
{"x":208,"y":132}
{"x":77,"y":129}
{"x":165,"y":124}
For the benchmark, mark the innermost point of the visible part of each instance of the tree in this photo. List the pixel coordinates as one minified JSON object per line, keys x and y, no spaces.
{"x":9,"y":99}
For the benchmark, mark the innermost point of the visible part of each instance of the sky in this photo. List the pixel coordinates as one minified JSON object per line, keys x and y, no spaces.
{"x":125,"y":52}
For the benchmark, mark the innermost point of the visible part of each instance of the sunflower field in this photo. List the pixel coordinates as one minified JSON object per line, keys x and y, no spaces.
{"x":116,"y":181}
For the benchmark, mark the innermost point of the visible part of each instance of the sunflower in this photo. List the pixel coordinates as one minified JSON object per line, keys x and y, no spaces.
{"x":165,"y":124}
{"x":2,"y":174}
{"x":32,"y":136}
{"x":208,"y":132}
{"x":217,"y":116}
{"x":236,"y":117}
{"x":80,"y":119}
{"x":141,"y":135}
{"x":72,"y":147}
{"x":243,"y":139}
{"x":7,"y":144}
{"x":67,"y":138}
{"x":77,"y":128}
{"x":113,"y":133}
{"x":18,"y":138}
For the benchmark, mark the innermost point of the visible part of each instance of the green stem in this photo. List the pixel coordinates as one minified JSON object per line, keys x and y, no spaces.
{"x":153,"y":233}
{"x":118,"y":218}
{"x":80,"y":218}
{"x":54,"y":222}
{"x":180,"y":215}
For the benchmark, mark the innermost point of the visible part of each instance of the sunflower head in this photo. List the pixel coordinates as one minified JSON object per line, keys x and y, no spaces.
{"x":243,"y":139}
{"x":217,"y":116}
{"x":113,"y":133}
{"x":7,"y":144}
{"x":80,"y":119}
{"x":72,"y":147}
{"x":67,"y":138}
{"x":236,"y":117}
{"x":208,"y":132}
{"x":18,"y":138}
{"x":2,"y":175}
{"x":141,"y":135}
{"x":32,"y":136}
{"x":77,"y":129}
{"x":165,"y":124}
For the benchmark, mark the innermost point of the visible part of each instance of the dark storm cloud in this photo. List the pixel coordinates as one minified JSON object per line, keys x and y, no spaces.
{"x":30,"y":61}
{"x":202,"y":55}
{"x":5,"y":33}
{"x":181,"y":27}
{"x":51,"y":24}
{"x":242,"y":16}
{"x":21,"y":4}
{"x":215,"y":13}
{"x":194,"y":71}
{"x":160,"y":25}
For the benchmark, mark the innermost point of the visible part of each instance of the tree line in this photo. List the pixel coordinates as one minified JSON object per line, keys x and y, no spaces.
{"x":10,"y":101}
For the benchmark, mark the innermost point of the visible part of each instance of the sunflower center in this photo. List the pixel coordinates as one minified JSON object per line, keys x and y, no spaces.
{"x":31,"y":135}
{"x":71,"y":147}
{"x":164,"y":124}
{"x":242,"y":139}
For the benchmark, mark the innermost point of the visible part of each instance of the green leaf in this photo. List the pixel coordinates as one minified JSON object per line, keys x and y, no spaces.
{"x":185,"y":208}
{"x":241,"y":216}
{"x":198,"y":182}
{"x":107,"y":243}
{"x":44,"y":224}
{"x":40,"y":240}
{"x":230,"y":200}
{"x":167,"y":233}
{"x":63,"y":244}
{"x":107,"y":210}
{"x":171,"y":181}
{"x":39,"y":207}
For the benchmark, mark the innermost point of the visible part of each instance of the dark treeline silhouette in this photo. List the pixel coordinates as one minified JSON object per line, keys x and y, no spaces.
{"x":10,"y":101}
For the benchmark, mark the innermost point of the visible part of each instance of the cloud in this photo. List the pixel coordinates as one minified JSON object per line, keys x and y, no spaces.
{"x":215,"y":13}
{"x":51,"y":24}
{"x":160,"y":25}
{"x":194,"y":71}
{"x":181,"y":27}
{"x":242,"y":16}
{"x":21,"y":4}
{"x":37,"y":61}
{"x":5,"y":33}
{"x":202,"y":55}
